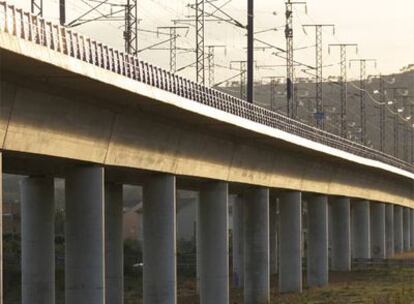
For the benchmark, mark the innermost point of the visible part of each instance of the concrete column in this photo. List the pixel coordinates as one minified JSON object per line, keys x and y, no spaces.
{"x":398,"y":229}
{"x":256,"y":246}
{"x":1,"y":228}
{"x":38,"y":240}
{"x":361,"y":240}
{"x":378,"y":230}
{"x":85,"y":261}
{"x":214,"y":244}
{"x":341,"y":234}
{"x":412,"y":229}
{"x":273,"y":236}
{"x":389,"y":230}
{"x":238,"y":242}
{"x":114,"y":247}
{"x":406,"y":225}
{"x":159,"y":216}
{"x":290,"y":233}
{"x":317,"y":240}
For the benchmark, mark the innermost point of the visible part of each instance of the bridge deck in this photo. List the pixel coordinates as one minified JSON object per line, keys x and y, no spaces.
{"x":37,"y":30}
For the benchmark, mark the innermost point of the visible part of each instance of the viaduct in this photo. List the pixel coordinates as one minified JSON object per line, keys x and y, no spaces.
{"x":74,"y":108}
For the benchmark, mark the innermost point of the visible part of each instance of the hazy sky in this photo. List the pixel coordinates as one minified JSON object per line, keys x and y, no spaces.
{"x":383,"y":29}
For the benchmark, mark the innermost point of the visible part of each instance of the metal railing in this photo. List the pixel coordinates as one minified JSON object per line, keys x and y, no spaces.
{"x":63,"y":40}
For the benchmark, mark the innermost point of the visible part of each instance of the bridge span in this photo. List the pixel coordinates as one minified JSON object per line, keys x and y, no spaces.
{"x":74,"y":108}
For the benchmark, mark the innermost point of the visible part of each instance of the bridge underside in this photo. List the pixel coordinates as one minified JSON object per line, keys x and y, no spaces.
{"x":52,"y":116}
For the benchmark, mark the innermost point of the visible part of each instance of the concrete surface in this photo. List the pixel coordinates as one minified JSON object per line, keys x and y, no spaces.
{"x":84,"y":236}
{"x":214,"y":243}
{"x":160,"y":264}
{"x":389,"y":230}
{"x":378,"y":230}
{"x":361,"y":230}
{"x":256,"y":246}
{"x":38,"y":240}
{"x":341,"y":233}
{"x":317,"y":272}
{"x":114,"y":244}
{"x":290,"y":239}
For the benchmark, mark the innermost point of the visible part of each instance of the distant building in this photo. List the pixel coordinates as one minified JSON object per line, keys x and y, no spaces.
{"x":132,"y":223}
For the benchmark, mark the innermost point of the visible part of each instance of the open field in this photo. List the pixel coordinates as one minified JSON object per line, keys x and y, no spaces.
{"x":379,"y":285}
{"x":375,"y":284}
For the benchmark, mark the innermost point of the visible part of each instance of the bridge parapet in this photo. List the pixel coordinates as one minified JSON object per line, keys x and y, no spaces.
{"x":35,"y":29}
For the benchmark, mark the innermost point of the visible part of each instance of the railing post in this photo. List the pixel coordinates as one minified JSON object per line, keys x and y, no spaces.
{"x":137,"y":69}
{"x":21,"y":19}
{"x":14,"y":23}
{"x":89,"y":45}
{"x":111,"y":61}
{"x":108,"y":63}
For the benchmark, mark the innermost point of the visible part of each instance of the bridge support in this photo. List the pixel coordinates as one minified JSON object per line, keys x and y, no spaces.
{"x":361,"y":240}
{"x":114,"y":247}
{"x":273,"y":235}
{"x":213,"y":242}
{"x":378,"y":230}
{"x":38,"y":240}
{"x":159,"y":224}
{"x":1,"y":228}
{"x":317,"y":240}
{"x":85,"y":264}
{"x":406,"y":225}
{"x":290,"y":228}
{"x":341,"y":234}
{"x":398,"y":229}
{"x":412,"y":229}
{"x":238,"y":242}
{"x":256,"y":246}
{"x":389,"y":230}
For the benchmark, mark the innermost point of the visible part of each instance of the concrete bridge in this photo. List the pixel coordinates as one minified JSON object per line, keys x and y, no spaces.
{"x":74,"y":108}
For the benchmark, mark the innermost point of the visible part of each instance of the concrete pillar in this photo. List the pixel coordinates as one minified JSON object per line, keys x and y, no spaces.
{"x":290,"y":233}
{"x":341,"y":234}
{"x":38,"y":240}
{"x":85,"y":262}
{"x":406,"y":225}
{"x":361,"y":240}
{"x":256,"y":246}
{"x":317,"y":240}
{"x":398,"y":229}
{"x":214,"y":245}
{"x":378,"y":230}
{"x":238,"y":242}
{"x":389,"y":230}
{"x":1,"y":228}
{"x":114,"y":247}
{"x":412,"y":229}
{"x":273,"y":236}
{"x":159,"y":216}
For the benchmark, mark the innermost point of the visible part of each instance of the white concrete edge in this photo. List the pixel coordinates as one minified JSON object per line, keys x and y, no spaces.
{"x":77,"y":66}
{"x":204,"y":110}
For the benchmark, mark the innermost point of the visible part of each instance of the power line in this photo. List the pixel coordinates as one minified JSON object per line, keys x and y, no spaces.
{"x":319,"y":115}
{"x":250,"y":50}
{"x":211,"y":62}
{"x":274,"y":80}
{"x":131,"y":27}
{"x":344,"y":84}
{"x":362,"y":84}
{"x":37,"y":7}
{"x":173,"y":44}
{"x":200,"y":55}
{"x":243,"y":69}
{"x":395,"y":91}
{"x":290,"y":73}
